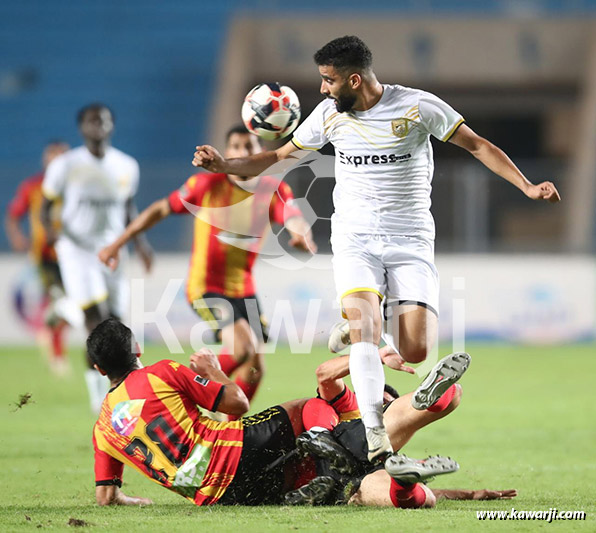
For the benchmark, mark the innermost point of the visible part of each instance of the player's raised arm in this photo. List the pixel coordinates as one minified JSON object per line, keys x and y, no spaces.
{"x":210,"y":159}
{"x":149,"y":217}
{"x":496,"y":160}
{"x":233,"y":401}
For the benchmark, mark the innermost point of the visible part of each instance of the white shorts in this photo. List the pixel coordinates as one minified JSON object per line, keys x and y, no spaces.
{"x":87,"y":281}
{"x":400,"y":269}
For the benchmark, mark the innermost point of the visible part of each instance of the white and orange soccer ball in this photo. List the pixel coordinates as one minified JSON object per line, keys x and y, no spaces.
{"x":271,"y":111}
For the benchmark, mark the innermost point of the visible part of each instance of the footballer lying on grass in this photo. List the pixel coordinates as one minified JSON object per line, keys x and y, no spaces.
{"x":149,"y":420}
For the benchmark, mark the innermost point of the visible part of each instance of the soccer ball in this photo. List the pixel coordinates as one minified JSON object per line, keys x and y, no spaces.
{"x":271,"y":111}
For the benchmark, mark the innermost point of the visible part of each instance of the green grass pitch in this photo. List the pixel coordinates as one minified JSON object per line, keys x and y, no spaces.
{"x":527,"y":421}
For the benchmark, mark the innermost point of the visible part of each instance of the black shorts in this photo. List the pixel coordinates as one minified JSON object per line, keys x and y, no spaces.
{"x":220,"y":311}
{"x":352,"y":436}
{"x":268,"y":436}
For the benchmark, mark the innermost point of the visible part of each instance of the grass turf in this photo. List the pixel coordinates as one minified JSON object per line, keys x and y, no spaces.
{"x":527,"y":421}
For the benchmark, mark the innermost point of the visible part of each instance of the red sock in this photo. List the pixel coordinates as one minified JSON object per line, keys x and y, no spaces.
{"x":408,"y":497}
{"x":345,"y":403}
{"x":57,"y":342}
{"x":227,"y":362}
{"x":442,"y":403}
{"x":317,"y":412}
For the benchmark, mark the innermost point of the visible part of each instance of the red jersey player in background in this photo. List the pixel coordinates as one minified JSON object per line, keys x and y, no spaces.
{"x":27,"y":201}
{"x":232,"y":215}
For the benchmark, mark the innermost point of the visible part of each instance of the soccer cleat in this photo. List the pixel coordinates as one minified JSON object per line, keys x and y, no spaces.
{"x":444,"y":374}
{"x":322,"y":444}
{"x":316,"y":492}
{"x":379,"y":446}
{"x":339,"y":337}
{"x":407,"y":471}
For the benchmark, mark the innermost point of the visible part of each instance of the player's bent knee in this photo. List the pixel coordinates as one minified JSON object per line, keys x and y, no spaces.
{"x":414,"y":353}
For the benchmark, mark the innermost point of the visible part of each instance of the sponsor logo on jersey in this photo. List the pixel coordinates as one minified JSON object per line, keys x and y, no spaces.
{"x":371,"y":159}
{"x":126,"y":415}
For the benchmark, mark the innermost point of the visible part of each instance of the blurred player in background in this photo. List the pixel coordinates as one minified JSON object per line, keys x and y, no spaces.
{"x":96,"y":184}
{"x":27,"y":201}
{"x":382,"y":228}
{"x":234,"y":213}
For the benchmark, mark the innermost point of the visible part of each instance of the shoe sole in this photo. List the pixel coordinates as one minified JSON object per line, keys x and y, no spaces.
{"x":336,"y":344}
{"x":402,"y":468}
{"x":314,"y":493}
{"x":444,"y":374}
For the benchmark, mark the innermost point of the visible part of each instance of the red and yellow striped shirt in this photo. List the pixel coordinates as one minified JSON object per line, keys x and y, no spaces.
{"x":151,"y":422}
{"x":230,"y":223}
{"x":28,"y":199}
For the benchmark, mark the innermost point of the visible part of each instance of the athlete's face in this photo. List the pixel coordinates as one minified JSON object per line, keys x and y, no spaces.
{"x":97,"y":124}
{"x":337,"y":87}
{"x":242,"y":145}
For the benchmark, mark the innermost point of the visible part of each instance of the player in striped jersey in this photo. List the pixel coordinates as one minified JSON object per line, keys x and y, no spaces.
{"x":149,"y":420}
{"x":28,"y":201}
{"x":232,"y":214}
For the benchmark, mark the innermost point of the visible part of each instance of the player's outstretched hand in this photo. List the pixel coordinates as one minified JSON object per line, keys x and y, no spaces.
{"x":203,"y":361}
{"x":209,"y":158}
{"x":544,"y":191}
{"x":393,"y":360}
{"x":486,"y":494}
{"x":109,"y":256}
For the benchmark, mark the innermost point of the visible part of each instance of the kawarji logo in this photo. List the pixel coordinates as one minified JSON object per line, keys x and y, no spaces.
{"x":126,"y":415}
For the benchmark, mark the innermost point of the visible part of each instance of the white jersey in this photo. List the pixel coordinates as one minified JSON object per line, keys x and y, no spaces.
{"x":94,"y":193}
{"x":383,"y":160}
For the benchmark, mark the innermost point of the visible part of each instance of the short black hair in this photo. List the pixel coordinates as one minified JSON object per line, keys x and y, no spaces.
{"x":239,"y":129}
{"x":93,"y":107}
{"x":348,"y":52}
{"x":110,"y":347}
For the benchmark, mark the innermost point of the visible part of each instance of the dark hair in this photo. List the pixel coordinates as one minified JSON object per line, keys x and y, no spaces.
{"x":239,"y":129}
{"x":95,"y":106}
{"x":344,"y":53}
{"x":110,"y":345}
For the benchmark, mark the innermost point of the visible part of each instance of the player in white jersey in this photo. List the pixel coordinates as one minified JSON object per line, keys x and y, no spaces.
{"x":382,"y":229}
{"x":96,"y":184}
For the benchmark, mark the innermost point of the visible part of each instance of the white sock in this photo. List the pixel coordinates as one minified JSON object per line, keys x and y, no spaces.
{"x":97,"y":386}
{"x":368,"y":379}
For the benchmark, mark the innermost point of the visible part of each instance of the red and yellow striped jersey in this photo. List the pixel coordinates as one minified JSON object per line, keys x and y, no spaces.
{"x":28,"y":199}
{"x":230,"y":223}
{"x":151,"y":422}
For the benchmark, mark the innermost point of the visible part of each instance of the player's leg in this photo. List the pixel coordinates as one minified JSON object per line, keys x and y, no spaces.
{"x":402,"y":421}
{"x":52,"y":284}
{"x":378,"y":490}
{"x":411,"y":307}
{"x":85,"y":285}
{"x":366,"y":371}
{"x":360,"y":282}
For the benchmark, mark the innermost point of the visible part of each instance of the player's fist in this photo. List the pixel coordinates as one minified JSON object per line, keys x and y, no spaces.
{"x":209,"y":158}
{"x":544,"y":191}
{"x":109,"y":256}
{"x":203,"y":361}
